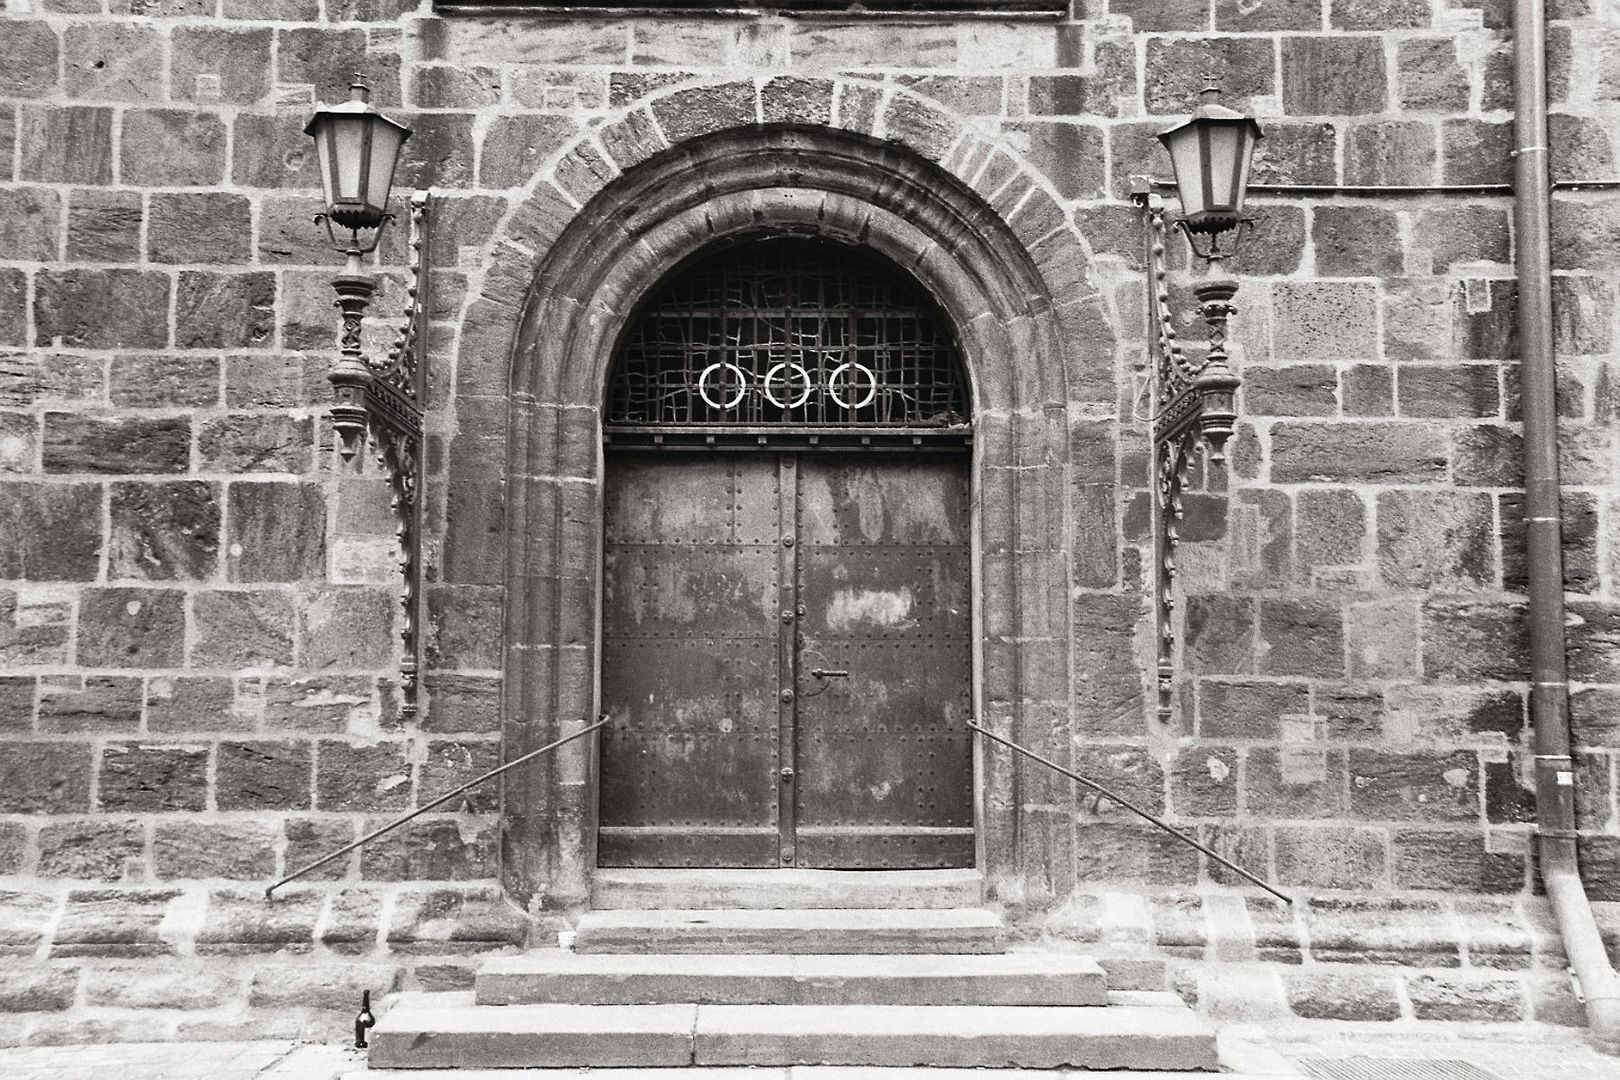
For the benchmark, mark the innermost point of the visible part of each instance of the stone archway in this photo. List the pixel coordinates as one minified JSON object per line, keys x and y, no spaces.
{"x":1022,"y":349}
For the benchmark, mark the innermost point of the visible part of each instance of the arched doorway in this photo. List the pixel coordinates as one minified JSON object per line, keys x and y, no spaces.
{"x":786,"y":622}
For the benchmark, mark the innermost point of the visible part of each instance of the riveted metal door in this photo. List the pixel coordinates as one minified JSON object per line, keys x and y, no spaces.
{"x":786,"y":661}
{"x":691,"y":638}
{"x":884,"y":759}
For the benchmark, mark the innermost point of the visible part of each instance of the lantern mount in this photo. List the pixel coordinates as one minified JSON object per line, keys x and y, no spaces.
{"x":358,"y":150}
{"x":1192,"y":398}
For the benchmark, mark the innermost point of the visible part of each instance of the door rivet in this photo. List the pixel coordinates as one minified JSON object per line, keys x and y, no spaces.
{"x":787,"y":541}
{"x":787,"y":776}
{"x":787,"y":616}
{"x":787,"y":695}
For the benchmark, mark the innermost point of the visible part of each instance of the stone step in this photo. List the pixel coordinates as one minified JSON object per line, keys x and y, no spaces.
{"x":558,"y":977}
{"x":612,"y":888}
{"x":823,"y":930}
{"x":1143,"y":1031}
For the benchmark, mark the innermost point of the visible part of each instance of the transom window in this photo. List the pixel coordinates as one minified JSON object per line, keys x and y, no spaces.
{"x":790,"y":333}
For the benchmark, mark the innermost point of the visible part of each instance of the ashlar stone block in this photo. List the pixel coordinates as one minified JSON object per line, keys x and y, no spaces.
{"x":153,"y":778}
{"x":164,"y":531}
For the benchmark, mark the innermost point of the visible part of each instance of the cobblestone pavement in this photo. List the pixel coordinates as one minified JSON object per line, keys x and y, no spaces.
{"x":1532,"y":1054}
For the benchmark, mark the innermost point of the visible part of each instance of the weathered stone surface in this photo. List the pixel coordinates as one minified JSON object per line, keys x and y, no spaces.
{"x":28,"y":59}
{"x":242,"y":629}
{"x":431,"y":849}
{"x":352,"y":776}
{"x":277,"y":531}
{"x":1126,"y":852}
{"x":214,"y":849}
{"x":89,"y":703}
{"x":158,"y":381}
{"x":1178,"y":68}
{"x":1248,"y":710}
{"x":1391,"y":152}
{"x":1474,"y":639}
{"x":93,"y":850}
{"x":114,"y":61}
{"x":1454,"y":860}
{"x":102,"y":309}
{"x":50,"y":532}
{"x":141,"y":628}
{"x":309,"y":839}
{"x":213,"y":64}
{"x":194,"y":703}
{"x":200,"y":227}
{"x":165,"y":531}
{"x":1343,"y":997}
{"x":38,"y":989}
{"x":31,"y":224}
{"x":1354,"y":241}
{"x":241,"y":921}
{"x":1377,"y":14}
{"x":1303,"y":636}
{"x":1333,"y":76}
{"x":1204,"y":782}
{"x":65,"y":144}
{"x":452,"y":764}
{"x":263,"y":775}
{"x":1437,"y":998}
{"x":24,"y":920}
{"x":324,"y":985}
{"x":273,"y":152}
{"x":1429,"y":76}
{"x":462,"y":703}
{"x":231,"y":311}
{"x":320,"y":703}
{"x":348,"y":628}
{"x":1477,"y":151}
{"x":1324,"y":320}
{"x":1389,"y":786}
{"x":1579,"y":547}
{"x":515,"y":146}
{"x":147,"y":986}
{"x":1219,"y":634}
{"x":452,"y":920}
{"x":1435,"y":539}
{"x":172,"y":148}
{"x":1325,"y":857}
{"x":143,"y":777}
{"x":104,"y":226}
{"x":328,"y":58}
{"x":1374,"y":452}
{"x":113,"y":922}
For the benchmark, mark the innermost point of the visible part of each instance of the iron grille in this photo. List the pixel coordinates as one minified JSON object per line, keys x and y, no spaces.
{"x":789,"y":332}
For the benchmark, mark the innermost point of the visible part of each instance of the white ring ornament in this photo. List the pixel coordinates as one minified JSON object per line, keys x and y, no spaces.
{"x":703,"y":385}
{"x":871,"y":390}
{"x":803,"y":374}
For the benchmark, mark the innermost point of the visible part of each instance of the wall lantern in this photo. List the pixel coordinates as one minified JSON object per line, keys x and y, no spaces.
{"x":1210,"y":156}
{"x":1193,"y":399}
{"x":358,"y":148}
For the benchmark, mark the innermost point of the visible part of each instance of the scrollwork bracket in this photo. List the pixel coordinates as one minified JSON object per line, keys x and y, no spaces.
{"x":1193,"y":411}
{"x":383,"y":402}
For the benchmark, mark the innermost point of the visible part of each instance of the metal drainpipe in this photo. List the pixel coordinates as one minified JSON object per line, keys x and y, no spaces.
{"x":1549,"y":687}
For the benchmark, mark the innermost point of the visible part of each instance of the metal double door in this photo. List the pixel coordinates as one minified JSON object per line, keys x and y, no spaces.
{"x":786,"y":661}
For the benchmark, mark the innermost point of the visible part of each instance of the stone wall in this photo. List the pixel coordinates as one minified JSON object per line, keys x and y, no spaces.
{"x":198,"y":651}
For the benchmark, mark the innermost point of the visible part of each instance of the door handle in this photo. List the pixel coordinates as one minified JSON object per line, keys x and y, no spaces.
{"x":824,"y":673}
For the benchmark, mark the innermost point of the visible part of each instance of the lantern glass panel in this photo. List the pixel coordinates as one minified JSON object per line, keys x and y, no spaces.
{"x":1186,"y":161}
{"x":1224,"y":140}
{"x":386,"y":140}
{"x":348,"y":139}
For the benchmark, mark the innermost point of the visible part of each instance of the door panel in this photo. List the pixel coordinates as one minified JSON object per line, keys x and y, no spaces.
{"x":689,"y":662}
{"x":730,"y":578}
{"x":885,"y":774}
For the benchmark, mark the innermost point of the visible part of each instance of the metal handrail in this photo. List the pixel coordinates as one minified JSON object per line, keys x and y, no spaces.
{"x":1132,"y":807}
{"x":420,"y":810}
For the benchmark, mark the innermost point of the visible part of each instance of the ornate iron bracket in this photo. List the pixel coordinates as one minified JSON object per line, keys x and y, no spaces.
{"x":384,"y":401}
{"x":1193,"y":406}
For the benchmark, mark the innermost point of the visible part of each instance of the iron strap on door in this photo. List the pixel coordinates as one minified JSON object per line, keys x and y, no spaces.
{"x":787,"y":484}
